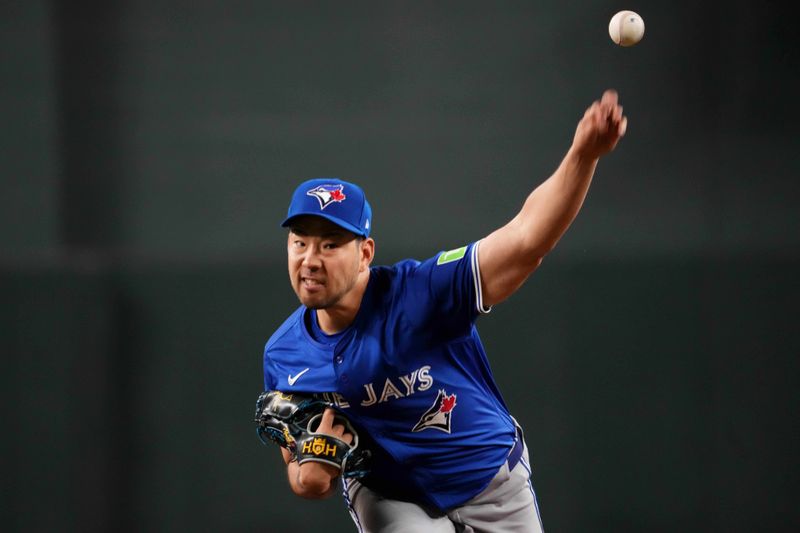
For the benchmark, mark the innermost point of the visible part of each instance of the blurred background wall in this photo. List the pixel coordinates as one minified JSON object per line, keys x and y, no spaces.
{"x":147,"y":156}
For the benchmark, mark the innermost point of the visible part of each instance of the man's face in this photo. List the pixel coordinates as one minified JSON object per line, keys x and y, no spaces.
{"x":324,"y":261}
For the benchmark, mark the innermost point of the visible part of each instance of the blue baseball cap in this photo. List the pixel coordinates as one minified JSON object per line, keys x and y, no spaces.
{"x":339,"y":201}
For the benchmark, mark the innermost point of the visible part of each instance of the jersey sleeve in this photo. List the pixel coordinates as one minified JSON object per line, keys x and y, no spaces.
{"x":269,"y":376}
{"x":447,"y":287}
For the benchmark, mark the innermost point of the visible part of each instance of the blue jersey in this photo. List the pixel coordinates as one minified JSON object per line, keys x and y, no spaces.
{"x":410,"y":372}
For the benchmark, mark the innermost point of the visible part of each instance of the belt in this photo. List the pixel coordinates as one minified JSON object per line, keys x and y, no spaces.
{"x":516,"y":452}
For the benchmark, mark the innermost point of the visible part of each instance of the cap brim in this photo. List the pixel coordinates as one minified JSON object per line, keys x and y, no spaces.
{"x":339,"y":222}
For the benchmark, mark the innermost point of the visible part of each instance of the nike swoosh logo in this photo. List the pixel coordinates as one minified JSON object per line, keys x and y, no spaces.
{"x":291,"y":379}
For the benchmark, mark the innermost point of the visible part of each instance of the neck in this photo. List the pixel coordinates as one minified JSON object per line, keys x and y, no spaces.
{"x":334,"y":319}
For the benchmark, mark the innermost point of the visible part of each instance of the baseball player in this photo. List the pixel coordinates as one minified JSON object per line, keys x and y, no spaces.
{"x":397,"y":353}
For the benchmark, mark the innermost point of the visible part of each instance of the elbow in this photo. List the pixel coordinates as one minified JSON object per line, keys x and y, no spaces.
{"x":532,"y":244}
{"x":538,"y":253}
{"x":538,"y":248}
{"x":533,"y":251}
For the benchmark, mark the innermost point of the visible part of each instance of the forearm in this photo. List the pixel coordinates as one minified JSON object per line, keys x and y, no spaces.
{"x":311,"y":480}
{"x":552,"y":206}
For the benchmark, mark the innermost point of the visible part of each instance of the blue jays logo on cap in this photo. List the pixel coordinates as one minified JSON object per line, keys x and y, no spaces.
{"x":327,"y":194}
{"x":326,"y":198}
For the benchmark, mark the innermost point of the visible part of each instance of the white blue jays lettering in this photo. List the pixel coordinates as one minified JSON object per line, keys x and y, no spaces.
{"x":337,"y":399}
{"x":418,"y":380}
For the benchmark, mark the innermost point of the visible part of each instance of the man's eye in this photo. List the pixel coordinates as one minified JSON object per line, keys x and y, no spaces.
{"x":330,"y":245}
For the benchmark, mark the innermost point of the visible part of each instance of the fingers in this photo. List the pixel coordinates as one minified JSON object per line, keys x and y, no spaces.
{"x":343,"y":435}
{"x":609,"y":107}
{"x":328,"y":426}
{"x":327,"y":420}
{"x":623,"y":127}
{"x":608,"y":113}
{"x":616,"y":114}
{"x":606,"y":109}
{"x":602,"y":126}
{"x":610,"y":98}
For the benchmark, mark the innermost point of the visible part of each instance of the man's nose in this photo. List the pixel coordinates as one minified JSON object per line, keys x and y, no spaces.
{"x":311,"y":258}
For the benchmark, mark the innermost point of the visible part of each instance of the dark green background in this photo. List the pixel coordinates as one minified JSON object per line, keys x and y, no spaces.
{"x":148,"y":152}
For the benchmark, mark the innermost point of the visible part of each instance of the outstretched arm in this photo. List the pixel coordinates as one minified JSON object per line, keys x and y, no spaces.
{"x":510,"y":254}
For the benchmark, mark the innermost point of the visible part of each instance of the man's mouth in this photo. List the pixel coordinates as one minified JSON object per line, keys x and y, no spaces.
{"x":311,"y":283}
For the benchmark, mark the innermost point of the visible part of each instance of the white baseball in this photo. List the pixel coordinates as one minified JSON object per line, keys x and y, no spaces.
{"x":626,"y":28}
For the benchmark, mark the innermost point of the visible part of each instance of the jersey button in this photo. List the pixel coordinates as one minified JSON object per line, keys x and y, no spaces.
{"x":344,"y":378}
{"x":339,"y":359}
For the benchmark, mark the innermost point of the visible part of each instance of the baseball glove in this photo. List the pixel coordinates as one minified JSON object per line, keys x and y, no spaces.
{"x":291,"y":420}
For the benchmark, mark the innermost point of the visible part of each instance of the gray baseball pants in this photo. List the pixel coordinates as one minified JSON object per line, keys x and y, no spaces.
{"x":507,"y":505}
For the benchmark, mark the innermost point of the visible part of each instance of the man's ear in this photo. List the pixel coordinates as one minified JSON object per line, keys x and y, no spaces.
{"x":367,"y":253}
